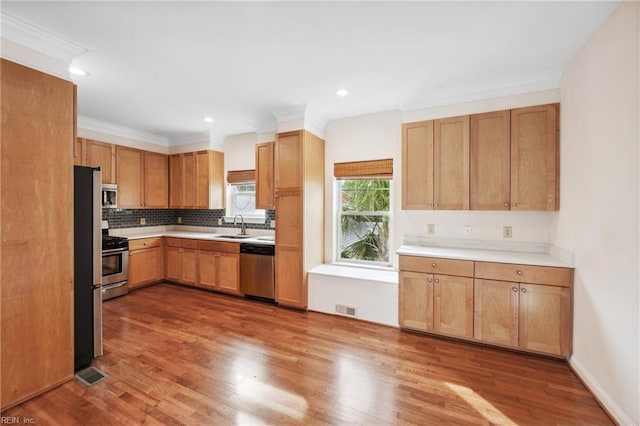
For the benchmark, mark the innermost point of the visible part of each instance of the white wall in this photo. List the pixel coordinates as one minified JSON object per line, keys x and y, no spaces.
{"x":598,"y":219}
{"x":378,"y":136}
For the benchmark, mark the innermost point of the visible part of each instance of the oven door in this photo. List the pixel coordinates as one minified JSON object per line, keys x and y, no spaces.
{"x":115,"y":264}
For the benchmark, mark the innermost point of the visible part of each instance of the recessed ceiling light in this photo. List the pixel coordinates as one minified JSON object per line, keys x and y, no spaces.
{"x":342,"y":92}
{"x":78,"y":71}
{"x":208,"y":119}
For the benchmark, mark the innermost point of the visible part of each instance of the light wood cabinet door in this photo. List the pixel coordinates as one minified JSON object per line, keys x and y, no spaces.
{"x":174,"y":263}
{"x":201,"y":200}
{"x":176,"y":181}
{"x":265,"y":190}
{"x":490,"y":161}
{"x":289,"y":229}
{"x":189,"y":180}
{"x":156,"y":181}
{"x":103,"y":155}
{"x":288,"y":160}
{"x":208,"y":180}
{"x":415,"y":310}
{"x":229,"y":272}
{"x":451,"y":163}
{"x":496,"y":311}
{"x":417,"y":166}
{"x":534,"y":158}
{"x":545,"y":318}
{"x":453,"y":305}
{"x":145,"y":266}
{"x":208,"y":269}
{"x":129,"y":176}
{"x":290,"y":288}
{"x":189,"y":266}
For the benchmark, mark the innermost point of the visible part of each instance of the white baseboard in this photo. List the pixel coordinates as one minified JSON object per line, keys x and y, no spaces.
{"x":603,"y":396}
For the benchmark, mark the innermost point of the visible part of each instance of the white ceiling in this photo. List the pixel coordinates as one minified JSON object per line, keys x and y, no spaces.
{"x":160,"y":67}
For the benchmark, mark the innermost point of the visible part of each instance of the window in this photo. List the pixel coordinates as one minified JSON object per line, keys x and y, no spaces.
{"x":241,"y":199}
{"x":364,"y":220}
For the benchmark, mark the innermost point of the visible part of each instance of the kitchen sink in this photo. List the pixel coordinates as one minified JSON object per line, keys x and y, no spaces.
{"x":236,"y":237}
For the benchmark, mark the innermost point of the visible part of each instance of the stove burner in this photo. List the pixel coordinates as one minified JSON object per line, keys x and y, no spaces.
{"x":110,"y":242}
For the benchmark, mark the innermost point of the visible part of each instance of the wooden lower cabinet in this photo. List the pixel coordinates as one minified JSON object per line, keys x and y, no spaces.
{"x":533,"y":315}
{"x":145,"y":262}
{"x":219,"y":266}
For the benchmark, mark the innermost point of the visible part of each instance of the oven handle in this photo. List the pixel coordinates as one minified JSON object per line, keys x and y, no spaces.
{"x":113,"y":251}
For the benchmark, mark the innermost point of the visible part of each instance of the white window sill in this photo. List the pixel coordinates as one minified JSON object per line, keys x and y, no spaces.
{"x":378,"y":274}
{"x":249,"y":219}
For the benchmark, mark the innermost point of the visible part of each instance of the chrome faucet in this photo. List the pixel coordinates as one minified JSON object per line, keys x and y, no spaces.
{"x":243,"y":228}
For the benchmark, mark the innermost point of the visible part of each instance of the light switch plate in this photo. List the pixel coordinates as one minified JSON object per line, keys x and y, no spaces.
{"x":179,"y":219}
{"x":219,"y":221}
{"x":143,"y":221}
{"x":273,"y":224}
{"x":507,"y":232}
{"x":431,"y":229}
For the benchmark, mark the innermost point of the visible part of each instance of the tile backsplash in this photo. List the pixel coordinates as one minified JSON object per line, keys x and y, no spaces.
{"x":124,"y":218}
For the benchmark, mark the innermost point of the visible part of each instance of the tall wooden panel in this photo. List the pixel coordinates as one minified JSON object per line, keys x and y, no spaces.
{"x":534,"y":158}
{"x":496,"y":311}
{"x":453,"y":305}
{"x":265,"y":192}
{"x":36,"y":263}
{"x":130,"y":177}
{"x":156,"y":181}
{"x":415,"y":309}
{"x":451,"y":163}
{"x":103,"y":155}
{"x":417,"y":166}
{"x":189,"y":182}
{"x":490,"y":161}
{"x":176,"y":181}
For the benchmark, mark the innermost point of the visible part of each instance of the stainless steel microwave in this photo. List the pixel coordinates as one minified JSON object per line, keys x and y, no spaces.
{"x":109,"y":196}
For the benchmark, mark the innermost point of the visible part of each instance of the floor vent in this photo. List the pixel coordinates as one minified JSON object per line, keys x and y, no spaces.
{"x":346,"y":310}
{"x":90,"y":376}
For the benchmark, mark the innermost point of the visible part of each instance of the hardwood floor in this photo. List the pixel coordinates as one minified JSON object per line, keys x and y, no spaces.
{"x":177,"y":355}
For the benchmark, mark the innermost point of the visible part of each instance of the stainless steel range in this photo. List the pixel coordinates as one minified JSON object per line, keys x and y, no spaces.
{"x":115,"y":266}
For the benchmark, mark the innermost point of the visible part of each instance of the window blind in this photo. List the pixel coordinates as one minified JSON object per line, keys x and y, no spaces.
{"x":241,"y":176}
{"x":381,"y":169}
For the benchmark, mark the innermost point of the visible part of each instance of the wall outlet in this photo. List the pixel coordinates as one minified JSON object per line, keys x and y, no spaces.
{"x":143,"y":221}
{"x":467,"y":230}
{"x":507,"y":232}
{"x":431,"y":229}
{"x":273,"y":224}
{"x":219,"y":221}
{"x":179,"y":219}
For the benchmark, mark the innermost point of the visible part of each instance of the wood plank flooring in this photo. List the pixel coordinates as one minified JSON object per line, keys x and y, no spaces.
{"x":176,"y":355}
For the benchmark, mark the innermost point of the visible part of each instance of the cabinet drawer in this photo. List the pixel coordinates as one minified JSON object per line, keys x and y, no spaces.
{"x":437,"y":265}
{"x":172,"y":242}
{"x":144,"y":243}
{"x":219,"y":246}
{"x":545,"y":275}
{"x":188,"y":243}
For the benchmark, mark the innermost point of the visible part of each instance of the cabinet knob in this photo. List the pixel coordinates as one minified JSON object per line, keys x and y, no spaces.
{"x":514,"y":204}
{"x":506,"y":204}
{"x":519,"y":272}
{"x":515,"y":289}
{"x":437,"y":280}
{"x":430,"y":280}
{"x":524,"y":290}
{"x":433,"y":265}
{"x":437,"y":204}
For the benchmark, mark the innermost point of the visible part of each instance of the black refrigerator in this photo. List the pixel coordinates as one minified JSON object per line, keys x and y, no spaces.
{"x":87,"y":265}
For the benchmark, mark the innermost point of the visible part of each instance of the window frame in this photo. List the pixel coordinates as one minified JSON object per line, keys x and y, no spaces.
{"x":338,"y":213}
{"x":257,"y":216}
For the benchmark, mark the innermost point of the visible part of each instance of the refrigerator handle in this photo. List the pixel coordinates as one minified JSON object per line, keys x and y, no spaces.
{"x":97,"y":263}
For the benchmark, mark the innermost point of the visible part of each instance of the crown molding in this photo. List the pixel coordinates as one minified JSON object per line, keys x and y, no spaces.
{"x":484,"y":90}
{"x":121,"y":131}
{"x":315,"y":125}
{"x":290,"y":113}
{"x":41,"y":41}
{"x":190,"y":138}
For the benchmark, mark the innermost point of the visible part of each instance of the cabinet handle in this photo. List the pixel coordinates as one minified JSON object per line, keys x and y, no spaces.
{"x":519,"y":272}
{"x":515,"y":289}
{"x":506,"y":204}
{"x":524,"y":290}
{"x":433,"y":265}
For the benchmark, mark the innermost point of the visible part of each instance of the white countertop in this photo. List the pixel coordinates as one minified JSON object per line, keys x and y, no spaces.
{"x":485,"y":255}
{"x":215,"y":234}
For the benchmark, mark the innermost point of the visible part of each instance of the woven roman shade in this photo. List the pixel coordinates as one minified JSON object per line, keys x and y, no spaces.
{"x":381,"y":169}
{"x":241,"y":176}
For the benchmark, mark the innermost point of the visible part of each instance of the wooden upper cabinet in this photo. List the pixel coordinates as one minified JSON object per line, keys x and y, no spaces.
{"x":196,"y":180}
{"x":288,"y":160}
{"x":103,"y":155}
{"x":130,"y":177}
{"x":417,"y":166}
{"x":176,"y":181}
{"x":156,"y":180}
{"x":534,"y":158}
{"x":490,"y":161}
{"x":451,"y":163}
{"x":79,"y":146}
{"x":265,"y":190}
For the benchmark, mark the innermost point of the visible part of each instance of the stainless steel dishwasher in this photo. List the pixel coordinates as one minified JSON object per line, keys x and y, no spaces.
{"x":257,"y":270}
